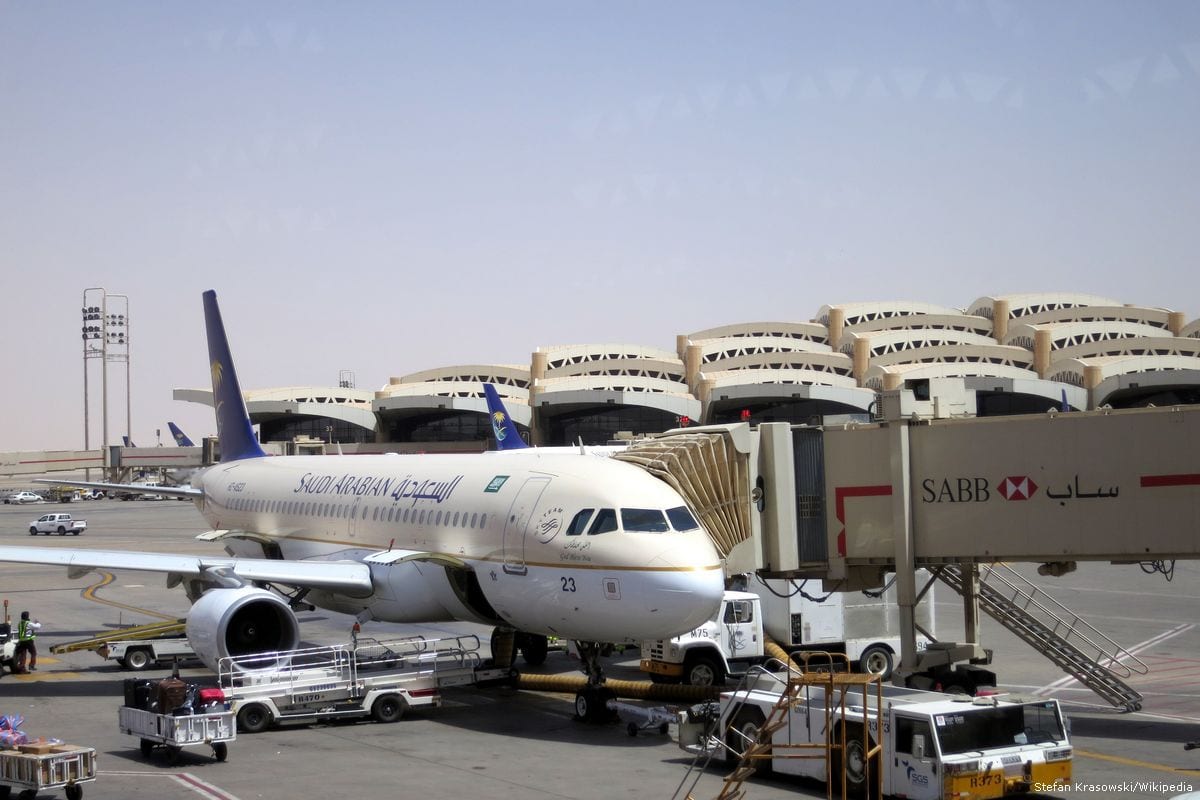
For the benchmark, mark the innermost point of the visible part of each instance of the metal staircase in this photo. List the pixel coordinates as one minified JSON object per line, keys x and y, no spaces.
{"x":1054,"y":631}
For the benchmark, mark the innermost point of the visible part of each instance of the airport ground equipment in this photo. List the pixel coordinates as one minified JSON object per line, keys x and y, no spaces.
{"x":8,"y":646}
{"x":213,"y":729}
{"x":62,"y":524}
{"x":139,"y":654}
{"x":850,"y":503}
{"x":796,"y":617}
{"x":174,"y":627}
{"x":866,"y":739}
{"x":380,"y":679}
{"x":33,"y":768}
{"x":643,"y":718}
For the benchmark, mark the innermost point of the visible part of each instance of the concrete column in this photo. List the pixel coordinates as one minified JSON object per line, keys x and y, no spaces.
{"x":892,"y":381}
{"x":1091,"y":379}
{"x":535,"y":417}
{"x":537,"y":366}
{"x":1176,"y":322}
{"x":692,"y":364}
{"x":704,"y":388}
{"x":1000,"y":312}
{"x":861,"y":359}
{"x":837,"y":321}
{"x":1041,"y":352}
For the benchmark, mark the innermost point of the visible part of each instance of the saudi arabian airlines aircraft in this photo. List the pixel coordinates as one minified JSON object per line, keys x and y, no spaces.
{"x":588,"y":549}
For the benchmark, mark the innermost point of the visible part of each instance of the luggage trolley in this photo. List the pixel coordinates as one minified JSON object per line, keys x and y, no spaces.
{"x":175,"y":732}
{"x":32,"y":768}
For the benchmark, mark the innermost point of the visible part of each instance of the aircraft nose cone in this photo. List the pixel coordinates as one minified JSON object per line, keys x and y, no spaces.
{"x":686,"y":595}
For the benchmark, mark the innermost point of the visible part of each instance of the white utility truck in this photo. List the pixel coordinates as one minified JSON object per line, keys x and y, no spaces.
{"x":364,"y":678}
{"x":908,"y":742}
{"x":62,"y":524}
{"x":797,"y":617}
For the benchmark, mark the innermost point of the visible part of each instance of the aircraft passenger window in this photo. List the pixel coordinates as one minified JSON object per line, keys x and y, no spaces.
{"x":438,"y":521}
{"x":483,"y":520}
{"x":375,"y":515}
{"x":643,"y":520}
{"x":579,"y":522}
{"x":474,"y":518}
{"x":421,"y":520}
{"x":406,"y":515}
{"x":606,"y":521}
{"x":682,"y":519}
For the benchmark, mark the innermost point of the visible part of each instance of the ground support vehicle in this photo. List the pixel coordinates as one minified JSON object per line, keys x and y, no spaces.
{"x":363,"y":678}
{"x":8,"y":646}
{"x":139,"y":654}
{"x":865,"y":738}
{"x":866,"y":628}
{"x":643,"y":718}
{"x":34,"y":768}
{"x":173,"y":732}
{"x":62,"y":524}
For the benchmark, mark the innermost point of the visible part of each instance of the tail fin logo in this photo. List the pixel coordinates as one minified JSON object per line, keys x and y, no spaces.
{"x":498,"y":425}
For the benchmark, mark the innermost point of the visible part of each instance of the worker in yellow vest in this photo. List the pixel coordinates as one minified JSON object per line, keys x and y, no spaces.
{"x":26,"y":632}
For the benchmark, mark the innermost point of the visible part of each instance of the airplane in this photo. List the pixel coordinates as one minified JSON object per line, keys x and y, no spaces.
{"x":587,"y":549}
{"x":181,"y":438}
{"x":503,"y":428}
{"x":508,"y":438}
{"x":125,"y":440}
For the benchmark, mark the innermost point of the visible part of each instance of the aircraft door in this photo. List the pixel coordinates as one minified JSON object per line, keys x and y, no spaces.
{"x":517,"y":523}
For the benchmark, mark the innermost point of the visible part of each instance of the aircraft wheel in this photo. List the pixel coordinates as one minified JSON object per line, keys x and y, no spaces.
{"x":534,"y":648}
{"x":591,"y":705}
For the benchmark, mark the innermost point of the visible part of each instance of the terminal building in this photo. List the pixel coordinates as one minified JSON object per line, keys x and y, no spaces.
{"x":1008,"y":354}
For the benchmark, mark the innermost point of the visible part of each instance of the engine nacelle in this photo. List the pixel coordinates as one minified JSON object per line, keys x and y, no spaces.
{"x":240,"y":622}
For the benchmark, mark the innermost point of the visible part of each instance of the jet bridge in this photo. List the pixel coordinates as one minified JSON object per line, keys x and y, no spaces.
{"x":852,"y":502}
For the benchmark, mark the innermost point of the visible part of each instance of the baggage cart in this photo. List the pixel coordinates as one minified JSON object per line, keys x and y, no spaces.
{"x":174,"y":733}
{"x":643,"y":718}
{"x":34,"y":768}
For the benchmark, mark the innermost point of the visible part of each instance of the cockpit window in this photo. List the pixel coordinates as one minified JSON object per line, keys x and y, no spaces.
{"x":644,"y":520}
{"x":606,"y":521}
{"x":579,"y":523}
{"x":682,"y":519}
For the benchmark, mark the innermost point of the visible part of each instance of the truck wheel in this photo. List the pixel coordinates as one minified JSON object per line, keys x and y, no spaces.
{"x":33,"y":530}
{"x":254,"y":718}
{"x":742,"y":732}
{"x":389,"y":708}
{"x":74,"y":792}
{"x":703,"y":670}
{"x":859,"y":778}
{"x":137,"y":658}
{"x":534,"y":648}
{"x":62,"y":531}
{"x":220,"y":751}
{"x":876,"y":660}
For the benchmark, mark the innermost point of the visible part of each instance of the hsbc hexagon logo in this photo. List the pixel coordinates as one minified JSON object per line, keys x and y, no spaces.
{"x":1018,"y":487}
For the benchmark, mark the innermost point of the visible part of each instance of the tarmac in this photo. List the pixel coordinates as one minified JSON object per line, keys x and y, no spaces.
{"x":507,"y":743}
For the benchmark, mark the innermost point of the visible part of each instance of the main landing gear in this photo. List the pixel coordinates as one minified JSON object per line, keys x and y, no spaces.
{"x":591,"y":702}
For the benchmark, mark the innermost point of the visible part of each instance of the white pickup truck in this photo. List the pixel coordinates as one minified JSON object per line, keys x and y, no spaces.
{"x":62,"y":524}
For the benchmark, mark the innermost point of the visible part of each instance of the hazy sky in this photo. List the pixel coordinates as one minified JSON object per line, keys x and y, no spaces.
{"x":390,"y":187}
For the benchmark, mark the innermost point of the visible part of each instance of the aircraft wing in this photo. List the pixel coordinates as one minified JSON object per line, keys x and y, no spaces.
{"x":347,"y":577}
{"x":134,"y":488}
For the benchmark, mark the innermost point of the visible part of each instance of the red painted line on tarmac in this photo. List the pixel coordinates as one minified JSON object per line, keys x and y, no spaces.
{"x":841,"y":493}
{"x":1185,"y":479}
{"x":203,"y":788}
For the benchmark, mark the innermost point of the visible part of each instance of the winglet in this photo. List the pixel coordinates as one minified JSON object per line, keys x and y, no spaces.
{"x":503,"y":428}
{"x":235,"y":435}
{"x":181,"y":438}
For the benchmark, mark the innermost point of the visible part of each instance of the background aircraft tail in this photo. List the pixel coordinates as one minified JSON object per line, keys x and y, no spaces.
{"x":235,"y":435}
{"x":181,"y":438}
{"x":503,"y":428}
{"x":127,"y":441}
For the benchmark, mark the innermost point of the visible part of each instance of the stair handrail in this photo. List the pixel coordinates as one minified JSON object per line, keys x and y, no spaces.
{"x":1120,"y":661}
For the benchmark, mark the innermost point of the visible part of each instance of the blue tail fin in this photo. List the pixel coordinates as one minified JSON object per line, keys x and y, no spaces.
{"x":503,"y":428}
{"x":127,"y":441}
{"x":235,"y":436}
{"x":181,"y":438}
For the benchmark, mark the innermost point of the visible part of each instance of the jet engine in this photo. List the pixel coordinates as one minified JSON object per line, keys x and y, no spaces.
{"x":240,"y":622}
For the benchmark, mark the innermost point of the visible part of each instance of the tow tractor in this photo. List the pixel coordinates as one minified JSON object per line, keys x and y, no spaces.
{"x":367,"y":677}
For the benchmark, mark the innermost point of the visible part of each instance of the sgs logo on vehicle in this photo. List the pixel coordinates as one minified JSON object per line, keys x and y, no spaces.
{"x":976,"y":489}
